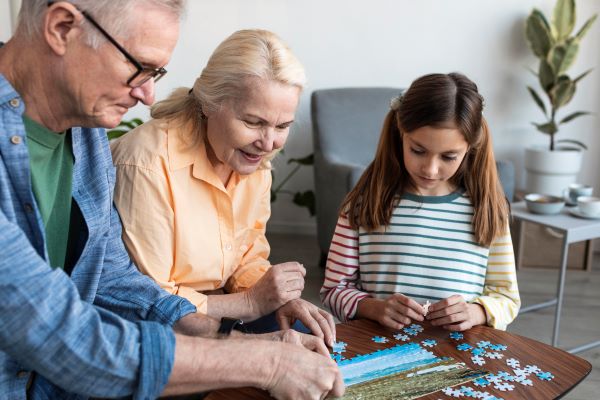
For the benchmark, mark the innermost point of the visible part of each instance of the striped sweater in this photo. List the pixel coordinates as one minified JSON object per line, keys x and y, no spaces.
{"x":426,"y":252}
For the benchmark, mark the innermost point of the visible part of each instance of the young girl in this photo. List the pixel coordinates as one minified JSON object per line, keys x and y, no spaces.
{"x":427,"y":223}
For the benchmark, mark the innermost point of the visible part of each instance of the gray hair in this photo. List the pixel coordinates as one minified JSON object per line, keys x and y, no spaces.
{"x":112,"y":15}
{"x":245,"y":54}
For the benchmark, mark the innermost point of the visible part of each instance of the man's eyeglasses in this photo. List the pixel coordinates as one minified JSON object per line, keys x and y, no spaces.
{"x":142,"y":74}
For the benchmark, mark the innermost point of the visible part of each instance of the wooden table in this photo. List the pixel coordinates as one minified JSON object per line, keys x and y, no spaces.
{"x":568,"y":370}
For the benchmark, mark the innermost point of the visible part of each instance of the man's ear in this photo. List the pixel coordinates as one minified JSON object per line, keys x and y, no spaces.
{"x":62,"y":23}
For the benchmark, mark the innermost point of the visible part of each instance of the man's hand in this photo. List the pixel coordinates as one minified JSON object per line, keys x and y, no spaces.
{"x":301,"y":374}
{"x":319,"y":321}
{"x":395,"y":312}
{"x":455,"y":314}
{"x":280,"y":284}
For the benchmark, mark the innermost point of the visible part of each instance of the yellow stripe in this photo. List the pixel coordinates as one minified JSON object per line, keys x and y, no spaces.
{"x":500,"y":272}
{"x":508,"y":253}
{"x":501,"y":244}
{"x":501,"y":263}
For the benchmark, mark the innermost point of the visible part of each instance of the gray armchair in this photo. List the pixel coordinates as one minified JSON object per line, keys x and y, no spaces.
{"x":346,"y":127}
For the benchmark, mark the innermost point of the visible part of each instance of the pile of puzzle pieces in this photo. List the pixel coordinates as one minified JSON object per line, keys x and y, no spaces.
{"x":502,"y":380}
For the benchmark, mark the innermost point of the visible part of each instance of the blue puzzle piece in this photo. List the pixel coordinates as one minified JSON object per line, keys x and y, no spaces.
{"x":337,"y":358}
{"x":505,"y":376}
{"x":498,"y":347}
{"x":483,"y":344}
{"x":456,"y":335}
{"x":545,"y":376}
{"x":339,"y":347}
{"x":464,"y":347}
{"x":481,"y":382}
{"x":467,"y":391}
{"x":478,"y":351}
{"x":380,"y":339}
{"x":429,"y":343}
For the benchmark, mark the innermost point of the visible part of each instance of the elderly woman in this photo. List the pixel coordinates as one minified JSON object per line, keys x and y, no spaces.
{"x":193,"y":186}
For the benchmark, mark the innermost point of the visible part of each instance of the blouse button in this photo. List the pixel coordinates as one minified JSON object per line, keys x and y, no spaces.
{"x":16,"y":139}
{"x":228,"y":247}
{"x":14,"y":102}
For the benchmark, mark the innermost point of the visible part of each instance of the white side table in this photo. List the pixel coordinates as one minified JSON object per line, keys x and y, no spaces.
{"x":574,"y":230}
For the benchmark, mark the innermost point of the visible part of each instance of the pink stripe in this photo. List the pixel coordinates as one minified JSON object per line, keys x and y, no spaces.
{"x":343,"y":255}
{"x":344,"y":245}
{"x":355,"y":266}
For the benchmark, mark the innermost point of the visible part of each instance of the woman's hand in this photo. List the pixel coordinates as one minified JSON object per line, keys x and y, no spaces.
{"x":319,"y":321}
{"x":455,"y":314}
{"x":395,"y":312}
{"x":280,"y":284}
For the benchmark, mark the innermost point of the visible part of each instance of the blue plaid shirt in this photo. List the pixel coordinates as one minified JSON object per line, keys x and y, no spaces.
{"x":105,"y":331}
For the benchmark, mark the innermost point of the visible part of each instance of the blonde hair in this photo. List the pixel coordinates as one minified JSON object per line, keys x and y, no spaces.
{"x":433,"y":100}
{"x":114,"y":16}
{"x":251,"y":53}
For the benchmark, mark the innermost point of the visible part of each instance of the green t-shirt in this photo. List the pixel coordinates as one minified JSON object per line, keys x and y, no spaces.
{"x":51,"y":163}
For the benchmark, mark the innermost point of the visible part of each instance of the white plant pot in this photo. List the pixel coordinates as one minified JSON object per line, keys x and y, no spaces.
{"x":550,"y":172}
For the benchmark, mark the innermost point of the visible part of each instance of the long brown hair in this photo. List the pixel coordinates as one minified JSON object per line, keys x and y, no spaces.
{"x":435,"y":100}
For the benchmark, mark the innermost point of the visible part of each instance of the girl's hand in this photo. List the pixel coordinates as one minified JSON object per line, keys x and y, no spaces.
{"x":455,"y":314}
{"x":395,"y":312}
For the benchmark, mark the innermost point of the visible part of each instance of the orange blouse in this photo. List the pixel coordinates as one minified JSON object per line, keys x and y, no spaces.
{"x":181,"y":225}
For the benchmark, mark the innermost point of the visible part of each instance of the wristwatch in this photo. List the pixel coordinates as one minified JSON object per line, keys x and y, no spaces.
{"x":227,"y":325}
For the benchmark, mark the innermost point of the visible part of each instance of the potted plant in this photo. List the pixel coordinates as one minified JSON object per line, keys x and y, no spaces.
{"x":550,"y":169}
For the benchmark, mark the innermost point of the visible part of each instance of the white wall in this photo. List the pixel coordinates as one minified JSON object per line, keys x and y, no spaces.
{"x":392,"y":42}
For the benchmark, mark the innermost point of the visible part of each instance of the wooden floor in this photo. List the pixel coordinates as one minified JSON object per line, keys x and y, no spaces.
{"x":580,"y":321}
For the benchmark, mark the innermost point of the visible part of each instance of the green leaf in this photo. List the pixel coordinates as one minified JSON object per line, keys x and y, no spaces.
{"x":537,"y":31}
{"x":306,"y":199}
{"x":549,"y":127}
{"x":574,"y":115}
{"x":571,"y":141}
{"x":537,"y":99}
{"x":116,"y":133}
{"x":562,"y":57}
{"x":580,"y":77}
{"x":563,"y":18}
{"x":586,"y":27}
{"x":307,"y":160}
{"x":562,"y":93}
{"x":546,"y":75}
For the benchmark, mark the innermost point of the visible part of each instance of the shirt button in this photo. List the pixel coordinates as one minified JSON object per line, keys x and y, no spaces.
{"x":228,"y":247}
{"x":14,"y":103}
{"x":16,"y":139}
{"x":22,"y":374}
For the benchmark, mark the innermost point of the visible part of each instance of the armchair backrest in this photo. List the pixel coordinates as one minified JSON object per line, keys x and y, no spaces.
{"x":347,"y":122}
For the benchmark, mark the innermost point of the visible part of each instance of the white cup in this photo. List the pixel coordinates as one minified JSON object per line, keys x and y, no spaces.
{"x":589,"y":205}
{"x":575,"y":190}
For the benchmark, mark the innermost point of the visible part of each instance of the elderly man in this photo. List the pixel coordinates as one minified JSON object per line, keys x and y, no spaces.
{"x":76,"y":317}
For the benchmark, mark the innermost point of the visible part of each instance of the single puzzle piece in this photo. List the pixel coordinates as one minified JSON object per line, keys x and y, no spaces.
{"x":339,"y":347}
{"x":467,"y":391}
{"x":452,"y":392}
{"x":478,"y":360}
{"x":429,"y":343}
{"x":426,"y":308}
{"x":513,"y":363}
{"x":464,"y":347}
{"x":521,"y":372}
{"x":456,"y":335}
{"x":498,"y":347}
{"x":494,"y":378}
{"x":523,"y":380}
{"x":494,"y":355}
{"x":504,"y":387}
{"x":399,"y":336}
{"x":483,"y":344}
{"x":410,"y":331}
{"x":533,"y":369}
{"x":545,"y":376}
{"x":416,"y":328}
{"x":478,"y":351}
{"x":481,"y":382}
{"x":380,"y":339}
{"x":505,"y":376}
